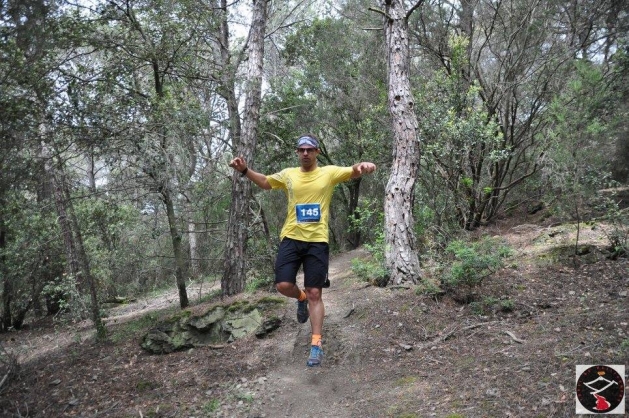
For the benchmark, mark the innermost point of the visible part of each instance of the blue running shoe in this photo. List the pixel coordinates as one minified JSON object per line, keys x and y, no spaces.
{"x":302,"y":311}
{"x":316,"y":356}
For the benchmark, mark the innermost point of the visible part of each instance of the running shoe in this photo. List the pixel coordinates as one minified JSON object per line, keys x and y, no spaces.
{"x":302,"y":311}
{"x":316,"y":356}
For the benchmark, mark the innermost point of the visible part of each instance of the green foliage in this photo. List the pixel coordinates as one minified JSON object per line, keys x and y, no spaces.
{"x":617,"y":231}
{"x":146,"y":385}
{"x":259,"y":283}
{"x":245,"y":397}
{"x":373,"y":269}
{"x":491,"y":304}
{"x":261,"y":261}
{"x":428,"y":288}
{"x":368,"y":220}
{"x":135,"y":327}
{"x":578,"y":158}
{"x":32,"y":255}
{"x":110,"y":231}
{"x":71,"y":302}
{"x":211,"y":406}
{"x":471,"y":263}
{"x":461,"y":139}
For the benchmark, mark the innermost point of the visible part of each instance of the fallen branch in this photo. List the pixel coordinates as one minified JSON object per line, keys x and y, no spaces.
{"x":10,"y":361}
{"x":514,"y":338}
{"x":216,"y":346}
{"x":399,"y":286}
{"x":451,"y":333}
{"x":445,"y":336}
{"x":106,"y":411}
{"x":4,"y":378}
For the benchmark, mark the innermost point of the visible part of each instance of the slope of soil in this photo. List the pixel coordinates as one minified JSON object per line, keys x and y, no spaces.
{"x":388,"y":352}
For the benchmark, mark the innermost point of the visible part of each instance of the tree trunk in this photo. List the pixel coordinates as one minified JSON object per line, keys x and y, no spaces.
{"x":401,"y":257}
{"x":175,"y":236}
{"x":7,"y":286}
{"x":73,"y":239}
{"x":84,"y":264}
{"x":234,"y":273}
{"x":195,"y":258}
{"x":355,"y":234}
{"x":64,"y":223}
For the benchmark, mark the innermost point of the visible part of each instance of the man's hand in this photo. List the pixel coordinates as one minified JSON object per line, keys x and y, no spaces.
{"x":238,"y":164}
{"x":259,"y":179}
{"x":363,"y":168}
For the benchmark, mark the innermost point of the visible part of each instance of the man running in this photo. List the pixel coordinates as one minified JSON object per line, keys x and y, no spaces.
{"x":304,"y":236}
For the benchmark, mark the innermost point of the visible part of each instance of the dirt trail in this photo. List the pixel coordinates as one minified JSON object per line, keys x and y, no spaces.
{"x":294,"y":390}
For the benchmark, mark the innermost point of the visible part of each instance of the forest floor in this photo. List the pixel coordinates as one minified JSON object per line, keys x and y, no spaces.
{"x":389,"y":352}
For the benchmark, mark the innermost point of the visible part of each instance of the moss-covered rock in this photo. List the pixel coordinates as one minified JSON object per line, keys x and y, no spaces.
{"x":219,"y":325}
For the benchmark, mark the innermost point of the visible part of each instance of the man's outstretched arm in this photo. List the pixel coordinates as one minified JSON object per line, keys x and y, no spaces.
{"x":239,"y":164}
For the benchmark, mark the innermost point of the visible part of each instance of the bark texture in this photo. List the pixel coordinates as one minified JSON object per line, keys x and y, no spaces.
{"x":400,"y":253}
{"x":235,"y":267}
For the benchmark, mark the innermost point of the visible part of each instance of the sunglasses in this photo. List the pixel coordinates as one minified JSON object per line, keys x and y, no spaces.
{"x":305,"y":150}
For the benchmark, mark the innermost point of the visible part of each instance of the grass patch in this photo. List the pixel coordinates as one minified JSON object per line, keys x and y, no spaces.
{"x":134,"y":327}
{"x":146,"y":385}
{"x":262,"y":282}
{"x":212,"y":406}
{"x":405,"y":381}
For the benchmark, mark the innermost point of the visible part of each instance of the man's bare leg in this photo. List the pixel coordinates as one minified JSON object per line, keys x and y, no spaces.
{"x":316,"y":308}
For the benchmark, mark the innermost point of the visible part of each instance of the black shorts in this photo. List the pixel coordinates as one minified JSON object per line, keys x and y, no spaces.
{"x":314,"y":256}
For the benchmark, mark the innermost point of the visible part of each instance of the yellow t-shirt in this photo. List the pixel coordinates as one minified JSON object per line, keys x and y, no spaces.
{"x":309,"y":195}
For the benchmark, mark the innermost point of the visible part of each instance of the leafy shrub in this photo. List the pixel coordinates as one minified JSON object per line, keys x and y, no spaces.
{"x":63,"y":292}
{"x":373,"y":270}
{"x":259,"y":282}
{"x":428,"y":288}
{"x":618,"y":233}
{"x":473,"y":262}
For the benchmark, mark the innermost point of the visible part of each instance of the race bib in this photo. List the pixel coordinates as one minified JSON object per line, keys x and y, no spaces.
{"x":308,"y":212}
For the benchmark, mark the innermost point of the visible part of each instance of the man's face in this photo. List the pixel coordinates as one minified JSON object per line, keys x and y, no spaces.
{"x":307,"y":155}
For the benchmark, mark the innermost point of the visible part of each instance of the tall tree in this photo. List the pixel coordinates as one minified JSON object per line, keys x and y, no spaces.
{"x":401,"y":256}
{"x":234,"y":274}
{"x":73,"y":238}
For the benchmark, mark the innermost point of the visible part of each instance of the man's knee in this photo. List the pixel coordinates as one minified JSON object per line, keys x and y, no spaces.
{"x":313,"y":293}
{"x":284,"y":287}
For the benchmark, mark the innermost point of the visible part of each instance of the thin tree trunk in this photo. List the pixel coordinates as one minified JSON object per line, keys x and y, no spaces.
{"x":400,"y":252}
{"x":7,"y":286}
{"x":175,"y":236}
{"x":102,"y":227}
{"x":355,"y":234}
{"x":6,"y":282}
{"x":195,"y":259}
{"x":73,"y":239}
{"x":64,"y":223}
{"x":234,"y":272}
{"x":84,"y":265}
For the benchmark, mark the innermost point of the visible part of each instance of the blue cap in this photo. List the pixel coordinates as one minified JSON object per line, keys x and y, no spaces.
{"x":307,"y":140}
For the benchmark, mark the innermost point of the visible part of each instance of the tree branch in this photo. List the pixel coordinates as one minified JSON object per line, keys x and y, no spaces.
{"x":415,"y":7}
{"x":382,"y":12}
